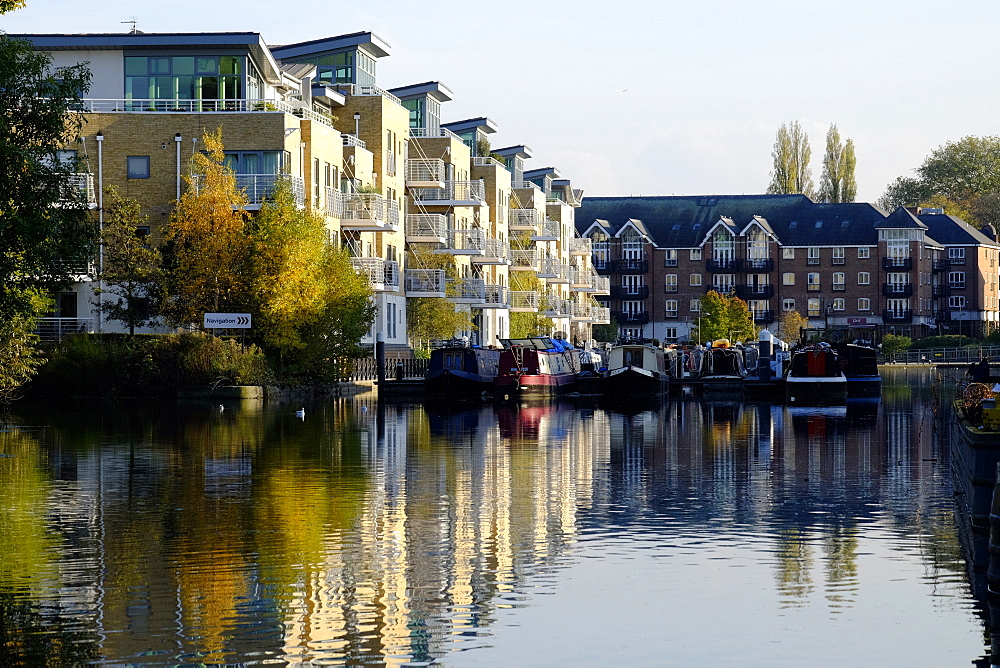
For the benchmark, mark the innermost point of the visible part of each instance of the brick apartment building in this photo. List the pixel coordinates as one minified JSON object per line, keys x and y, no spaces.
{"x":843,"y":266}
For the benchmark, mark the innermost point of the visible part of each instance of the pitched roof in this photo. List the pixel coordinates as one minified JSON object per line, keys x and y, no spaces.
{"x":682,"y":221}
{"x":952,"y":231}
{"x":901,"y":219}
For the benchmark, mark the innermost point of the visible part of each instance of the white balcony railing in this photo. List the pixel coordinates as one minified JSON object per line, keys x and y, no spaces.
{"x":364,"y":90}
{"x":548,"y":230}
{"x":486,"y":161}
{"x":82,"y":183}
{"x":433,"y":133}
{"x":601,"y":284}
{"x":553,"y":306}
{"x":381,"y":274}
{"x":523,"y":219}
{"x":369,"y":212}
{"x":260,"y":187}
{"x":454,"y":193}
{"x":426,"y":227}
{"x":495,"y":296}
{"x":187,"y":106}
{"x":467,"y":290}
{"x":524,"y":259}
{"x":54,"y":329}
{"x":524,"y":301}
{"x":579,"y":311}
{"x":425,"y":283}
{"x":600,"y":315}
{"x":525,"y":184}
{"x":579,"y":246}
{"x":579,"y":279}
{"x":351,"y":140}
{"x":466,"y":242}
{"x":334,"y":203}
{"x":494,"y":251}
{"x":424,"y":170}
{"x":553,"y":270}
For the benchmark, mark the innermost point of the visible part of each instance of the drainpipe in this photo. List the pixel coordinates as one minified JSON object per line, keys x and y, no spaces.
{"x":177,"y":141}
{"x":100,"y":227}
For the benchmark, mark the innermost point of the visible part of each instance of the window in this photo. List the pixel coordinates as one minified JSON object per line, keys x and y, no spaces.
{"x":787,"y":304}
{"x":723,"y":282}
{"x":670,"y":258}
{"x":788,"y":278}
{"x":838,"y":255}
{"x":695,"y":305}
{"x":956,"y":279}
{"x":788,"y":253}
{"x":812,"y":281}
{"x":813,"y":307}
{"x":813,"y":256}
{"x":864,"y":278}
{"x":956,"y":302}
{"x":839,"y":304}
{"x":671,"y":308}
{"x":671,"y":334}
{"x":864,"y":253}
{"x":186,"y":83}
{"x":695,"y":280}
{"x":864,"y":304}
{"x":838,"y":280}
{"x":956,"y":255}
{"x":696,"y":254}
{"x":671,"y":283}
{"x":138,"y":166}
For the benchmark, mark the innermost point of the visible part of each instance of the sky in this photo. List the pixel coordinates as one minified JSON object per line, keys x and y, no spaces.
{"x":653,"y":97}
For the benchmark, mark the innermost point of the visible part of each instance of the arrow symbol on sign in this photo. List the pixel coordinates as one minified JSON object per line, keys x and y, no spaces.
{"x":242,"y":321}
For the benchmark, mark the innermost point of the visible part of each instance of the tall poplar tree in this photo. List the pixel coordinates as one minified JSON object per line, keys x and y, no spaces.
{"x":790,"y":173}
{"x":837,"y":183}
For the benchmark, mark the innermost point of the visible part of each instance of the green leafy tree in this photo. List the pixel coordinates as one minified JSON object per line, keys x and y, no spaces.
{"x":129,"y":276}
{"x":430,"y":318}
{"x":207,"y":241}
{"x":20,"y":356}
{"x":602,"y":332}
{"x":892,"y":344}
{"x":11,"y":5}
{"x":526,"y":324}
{"x":724,"y":317}
{"x":739,"y":320}
{"x":286,"y":254}
{"x":837,"y":183}
{"x":963,"y":171}
{"x":790,"y":173}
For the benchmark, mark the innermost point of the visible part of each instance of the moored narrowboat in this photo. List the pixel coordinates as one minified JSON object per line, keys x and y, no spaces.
{"x":461,"y":370}
{"x":537,"y":366}
{"x":815,"y":375}
{"x":635,"y":369}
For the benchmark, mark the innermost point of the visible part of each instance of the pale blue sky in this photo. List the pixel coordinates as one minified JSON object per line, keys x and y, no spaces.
{"x":706,"y":84}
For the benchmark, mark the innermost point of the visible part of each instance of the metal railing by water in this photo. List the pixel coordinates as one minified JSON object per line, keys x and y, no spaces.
{"x":54,"y":329}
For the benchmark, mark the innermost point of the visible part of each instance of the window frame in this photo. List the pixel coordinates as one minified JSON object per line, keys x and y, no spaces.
{"x":140,"y":174}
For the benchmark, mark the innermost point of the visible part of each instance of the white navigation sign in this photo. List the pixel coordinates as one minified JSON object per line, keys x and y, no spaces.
{"x":227,"y":321}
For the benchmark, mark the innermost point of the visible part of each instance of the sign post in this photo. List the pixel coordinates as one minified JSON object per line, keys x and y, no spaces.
{"x":227,"y":321}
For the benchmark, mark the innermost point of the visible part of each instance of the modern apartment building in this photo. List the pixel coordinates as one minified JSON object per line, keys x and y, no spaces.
{"x":845,"y":266}
{"x":393,"y":181}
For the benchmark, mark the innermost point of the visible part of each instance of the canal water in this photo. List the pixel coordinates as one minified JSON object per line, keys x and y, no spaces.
{"x":693,"y":532}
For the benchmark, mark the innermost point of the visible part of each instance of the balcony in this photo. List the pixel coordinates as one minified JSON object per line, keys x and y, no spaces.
{"x":54,"y":329}
{"x":334,"y":205}
{"x":364,"y":90}
{"x":425,"y":173}
{"x":466,"y":290}
{"x":632,"y":266}
{"x":383,"y":275}
{"x":426,"y":228}
{"x":352,"y":141}
{"x":599,"y":285}
{"x":939,"y":266}
{"x":897,"y":289}
{"x":525,"y":185}
{"x":723,"y":289}
{"x":631,"y":317}
{"x":454,"y":193}
{"x":369,"y":212}
{"x":579,"y":280}
{"x":465,"y":242}
{"x":897,"y":316}
{"x":758,"y":266}
{"x":629,"y":291}
{"x":897,"y":263}
{"x":579,"y":246}
{"x":553,"y":306}
{"x":188,"y":106}
{"x":524,"y":260}
{"x":579,"y":312}
{"x":941,"y":291}
{"x":425,"y":283}
{"x":755,"y":291}
{"x":600,"y":315}
{"x":523,"y":301}
{"x":722,"y":265}
{"x":548,"y":230}
{"x":80,"y":187}
{"x":433,"y":133}
{"x":494,"y":252}
{"x":765,"y":317}
{"x":605,"y":267}
{"x":495,"y":297}
{"x":523,"y":220}
{"x":553,"y":271}
{"x":258,"y":188}
{"x":486,"y":161}
{"x":812,"y":287}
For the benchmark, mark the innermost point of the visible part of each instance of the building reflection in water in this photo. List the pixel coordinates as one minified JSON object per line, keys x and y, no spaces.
{"x":395,"y":532}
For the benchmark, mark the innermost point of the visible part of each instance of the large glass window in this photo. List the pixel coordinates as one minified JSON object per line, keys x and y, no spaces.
{"x":157,"y":80}
{"x":256,"y":162}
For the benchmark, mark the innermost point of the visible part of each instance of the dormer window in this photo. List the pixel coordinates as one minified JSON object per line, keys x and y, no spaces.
{"x":722,"y":244}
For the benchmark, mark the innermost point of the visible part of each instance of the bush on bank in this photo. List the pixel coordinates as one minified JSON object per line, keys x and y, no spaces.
{"x":118,"y":365}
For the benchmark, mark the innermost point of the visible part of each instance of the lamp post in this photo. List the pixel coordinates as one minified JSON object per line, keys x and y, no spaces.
{"x":357,"y":124}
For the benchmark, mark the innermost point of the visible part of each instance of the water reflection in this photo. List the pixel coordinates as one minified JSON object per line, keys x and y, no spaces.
{"x":396,"y":533}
